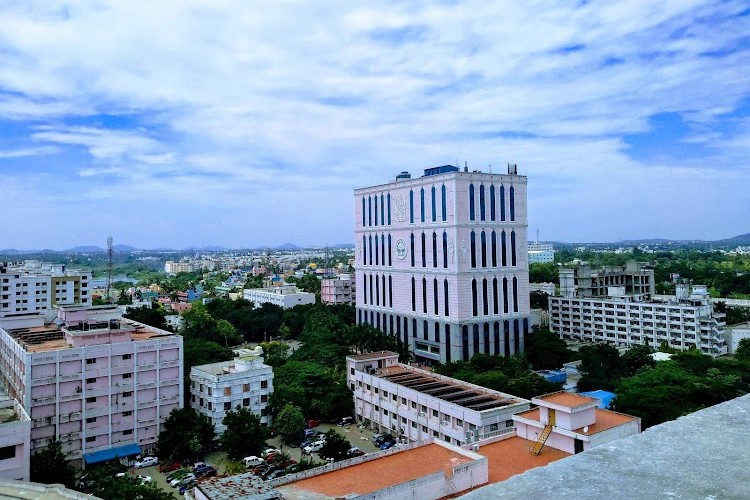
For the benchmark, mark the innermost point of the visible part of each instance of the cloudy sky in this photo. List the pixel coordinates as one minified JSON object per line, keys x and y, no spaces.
{"x":236,"y":123}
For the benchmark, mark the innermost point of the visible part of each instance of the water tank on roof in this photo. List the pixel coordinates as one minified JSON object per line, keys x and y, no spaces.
{"x":403,"y":176}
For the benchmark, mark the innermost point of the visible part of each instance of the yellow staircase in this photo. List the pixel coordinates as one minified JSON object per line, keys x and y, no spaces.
{"x":537,"y":448}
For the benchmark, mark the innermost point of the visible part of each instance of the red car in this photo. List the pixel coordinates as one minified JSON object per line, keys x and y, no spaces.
{"x":313,"y":423}
{"x":169,"y":466}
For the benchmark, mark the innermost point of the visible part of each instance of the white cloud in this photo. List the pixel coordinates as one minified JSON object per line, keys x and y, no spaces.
{"x":21,"y":153}
{"x":236,"y":104}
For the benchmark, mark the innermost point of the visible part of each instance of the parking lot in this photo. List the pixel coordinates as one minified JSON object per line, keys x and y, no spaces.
{"x":362,"y":439}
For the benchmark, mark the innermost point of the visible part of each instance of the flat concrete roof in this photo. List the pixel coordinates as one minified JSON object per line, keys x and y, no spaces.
{"x":701,"y":455}
{"x":567,"y":399}
{"x":511,"y":456}
{"x":605,"y":419}
{"x":377,"y":474}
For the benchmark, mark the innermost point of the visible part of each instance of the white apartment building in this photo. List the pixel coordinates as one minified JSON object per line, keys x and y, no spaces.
{"x":625,"y":314}
{"x":442,"y":264}
{"x":15,"y":439}
{"x":414,"y":404}
{"x":548,"y":288}
{"x":35,"y":287}
{"x":284,"y":296}
{"x":540,"y":252}
{"x":217,"y":388}
{"x":338,"y":290}
{"x":99,"y":384}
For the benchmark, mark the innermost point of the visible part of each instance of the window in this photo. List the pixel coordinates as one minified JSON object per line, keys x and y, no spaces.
{"x":369,"y":251}
{"x":512,"y":248}
{"x":512,"y":199}
{"x":90,"y":361}
{"x":493,"y":248}
{"x":413,"y":405}
{"x":444,"y":207}
{"x":413,"y":294}
{"x":127,"y":432}
{"x":227,"y":406}
{"x":502,"y":203}
{"x":246,"y":401}
{"x":91,"y":400}
{"x":127,"y":413}
{"x":363,"y":211}
{"x":382,"y":210}
{"x":246,"y":387}
{"x":445,"y":297}
{"x":210,"y":405}
{"x":421,"y":204}
{"x":485,"y":301}
{"x":390,"y":293}
{"x":90,"y":439}
{"x":227,"y":391}
{"x":412,"y":250}
{"x":127,"y":394}
{"x":377,"y":253}
{"x":435,"y":296}
{"x":437,"y":332}
{"x":481,"y":203}
{"x":369,"y":211}
{"x":434,"y":250}
{"x":91,"y":380}
{"x":474,"y":307}
{"x":127,"y":356}
{"x":505,"y":295}
{"x":494,"y":296}
{"x":411,"y":207}
{"x":445,"y":250}
{"x":127,"y":375}
{"x":389,"y":208}
{"x":504,"y":255}
{"x":471,"y":202}
{"x":390,"y":250}
{"x":515,"y":294}
{"x":434,"y":204}
{"x":473,"y":249}
{"x":209,"y":391}
{"x":492,"y":202}
{"x":91,"y":420}
{"x":483,"y":240}
{"x":376,"y":210}
{"x":424,"y":295}
{"x":424,"y":251}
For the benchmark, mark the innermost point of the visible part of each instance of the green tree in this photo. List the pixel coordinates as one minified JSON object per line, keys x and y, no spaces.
{"x":289,"y":423}
{"x":547,"y":351}
{"x":601,"y":367}
{"x":275,"y":353}
{"x":335,"y":447}
{"x":147,"y":315}
{"x":226,"y":331}
{"x":544,"y":272}
{"x":538,"y":300}
{"x":104,"y":484}
{"x":50,"y":466}
{"x":124,"y":298}
{"x":743,"y":350}
{"x":309,"y":283}
{"x":185,"y":434}
{"x":244,"y":434}
{"x":635,"y":358}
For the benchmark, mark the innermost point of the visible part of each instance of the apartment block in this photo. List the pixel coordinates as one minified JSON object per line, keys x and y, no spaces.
{"x":415,"y":404}
{"x":338,"y":290}
{"x":284,"y":296}
{"x":540,"y":252}
{"x":442,"y":263}
{"x":217,"y":388}
{"x":93,"y":380}
{"x":15,"y":437}
{"x":35,"y":287}
{"x":618,"y":308}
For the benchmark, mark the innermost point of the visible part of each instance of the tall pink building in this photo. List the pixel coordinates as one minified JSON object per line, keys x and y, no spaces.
{"x":442,"y":263}
{"x":100,"y":384}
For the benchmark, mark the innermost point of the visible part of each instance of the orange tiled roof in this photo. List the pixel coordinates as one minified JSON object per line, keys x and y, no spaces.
{"x":510,"y":457}
{"x":566,"y":399}
{"x":605,"y":419}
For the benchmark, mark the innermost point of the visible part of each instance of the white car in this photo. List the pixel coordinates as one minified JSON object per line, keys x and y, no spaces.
{"x":144,"y":479}
{"x":312,"y":448}
{"x":182,"y":480}
{"x":268,"y":451}
{"x":146,"y":462}
{"x":252,"y":461}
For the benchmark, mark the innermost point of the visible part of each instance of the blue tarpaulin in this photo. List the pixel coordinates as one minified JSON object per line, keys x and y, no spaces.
{"x":96,"y":457}
{"x":605,"y":397}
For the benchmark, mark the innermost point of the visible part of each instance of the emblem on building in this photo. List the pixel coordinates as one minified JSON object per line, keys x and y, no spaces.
{"x":400,"y":248}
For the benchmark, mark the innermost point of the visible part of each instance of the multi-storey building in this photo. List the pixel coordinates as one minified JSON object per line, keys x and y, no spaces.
{"x":618,"y":308}
{"x":284,"y":296}
{"x":540,"y":252}
{"x":93,"y":380}
{"x":416,"y":404}
{"x":442,"y":264}
{"x":35,"y":287}
{"x":338,"y":290}
{"x":15,"y":437}
{"x":217,"y":388}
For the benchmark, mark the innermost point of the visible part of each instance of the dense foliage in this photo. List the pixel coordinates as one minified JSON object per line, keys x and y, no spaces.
{"x":547,"y":351}
{"x":244,"y":434}
{"x":335,"y":447}
{"x":50,"y":466}
{"x":152,"y":316}
{"x":186,"y":434}
{"x":102,"y":482}
{"x":289,"y":423}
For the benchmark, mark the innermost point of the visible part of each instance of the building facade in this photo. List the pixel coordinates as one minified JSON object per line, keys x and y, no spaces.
{"x":540,"y":252}
{"x":15,"y":439}
{"x":217,"y":388}
{"x":442,"y":263}
{"x":284,"y":296}
{"x":92,"y":380}
{"x":338,"y":290}
{"x":617,"y":308}
{"x":35,"y":287}
{"x":415,"y":404}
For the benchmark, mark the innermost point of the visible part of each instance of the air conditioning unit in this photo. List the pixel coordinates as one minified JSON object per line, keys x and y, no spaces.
{"x":422,"y":414}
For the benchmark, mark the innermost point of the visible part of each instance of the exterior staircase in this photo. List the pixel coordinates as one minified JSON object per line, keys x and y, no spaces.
{"x":537,"y":448}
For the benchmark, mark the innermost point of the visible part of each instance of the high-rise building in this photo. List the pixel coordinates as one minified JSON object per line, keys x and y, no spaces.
{"x":33,"y":287}
{"x":540,"y":252}
{"x":442,"y":264}
{"x":99,"y":384}
{"x":337,"y":290}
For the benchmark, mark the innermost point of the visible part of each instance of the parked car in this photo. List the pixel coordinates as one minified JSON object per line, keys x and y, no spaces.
{"x":310,"y":432}
{"x":354,"y":452}
{"x":260,"y":469}
{"x":169,"y":467}
{"x":387,"y":444}
{"x":270,"y":471}
{"x":207,"y":472}
{"x":182,"y":481}
{"x":382,"y":439}
{"x":268,"y":451}
{"x":346,"y":421}
{"x":275,"y":474}
{"x":144,"y":479}
{"x":146,"y":462}
{"x":187,"y":487}
{"x":313,"y":447}
{"x":378,"y":437}
{"x":180,"y":473}
{"x":313,"y":423}
{"x":252,"y":461}
{"x":198,"y":465}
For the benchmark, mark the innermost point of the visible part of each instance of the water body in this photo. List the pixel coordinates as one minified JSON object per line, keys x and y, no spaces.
{"x":102,"y":282}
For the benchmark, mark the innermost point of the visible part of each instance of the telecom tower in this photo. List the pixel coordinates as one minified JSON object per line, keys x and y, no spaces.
{"x":110,"y":253}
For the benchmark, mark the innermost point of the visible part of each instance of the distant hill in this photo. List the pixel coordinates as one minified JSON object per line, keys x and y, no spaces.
{"x":742,"y":239}
{"x":124,"y":248}
{"x":288,"y":246}
{"x":84,"y":249}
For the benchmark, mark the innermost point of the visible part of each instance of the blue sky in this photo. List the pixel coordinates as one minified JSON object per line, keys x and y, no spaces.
{"x":245,"y":124}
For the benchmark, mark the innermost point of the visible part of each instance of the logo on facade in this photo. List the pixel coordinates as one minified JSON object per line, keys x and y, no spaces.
{"x":401,"y":249}
{"x":400,"y":210}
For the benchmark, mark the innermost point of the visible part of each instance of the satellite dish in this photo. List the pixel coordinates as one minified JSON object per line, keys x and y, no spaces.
{"x":586,"y":429}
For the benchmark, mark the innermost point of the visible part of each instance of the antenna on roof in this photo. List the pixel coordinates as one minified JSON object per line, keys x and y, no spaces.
{"x":110,"y":252}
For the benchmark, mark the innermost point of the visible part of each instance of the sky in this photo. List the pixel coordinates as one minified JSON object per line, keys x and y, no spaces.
{"x":182,"y":123}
